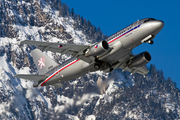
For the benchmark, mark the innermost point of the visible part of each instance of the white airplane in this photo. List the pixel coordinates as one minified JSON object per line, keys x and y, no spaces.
{"x":107,"y":55}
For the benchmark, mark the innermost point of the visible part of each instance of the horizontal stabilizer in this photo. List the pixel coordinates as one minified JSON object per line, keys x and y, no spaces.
{"x":57,"y":85}
{"x":36,"y":78}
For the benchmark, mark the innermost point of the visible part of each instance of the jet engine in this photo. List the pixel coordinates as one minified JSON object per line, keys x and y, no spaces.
{"x":139,"y":60}
{"x":97,"y":49}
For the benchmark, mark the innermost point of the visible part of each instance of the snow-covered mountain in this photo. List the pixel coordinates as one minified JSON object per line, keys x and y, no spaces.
{"x":126,"y":97}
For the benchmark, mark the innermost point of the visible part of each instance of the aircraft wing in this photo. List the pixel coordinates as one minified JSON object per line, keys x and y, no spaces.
{"x":70,"y":49}
{"x":141,"y":70}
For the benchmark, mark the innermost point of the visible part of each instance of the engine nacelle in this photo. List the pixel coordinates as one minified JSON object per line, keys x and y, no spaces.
{"x":139,"y":60}
{"x":97,"y":49}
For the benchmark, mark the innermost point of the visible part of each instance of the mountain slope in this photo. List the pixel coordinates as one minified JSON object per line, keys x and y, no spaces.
{"x":127,"y":97}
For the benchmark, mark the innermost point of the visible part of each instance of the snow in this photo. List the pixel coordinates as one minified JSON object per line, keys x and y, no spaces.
{"x":23,"y":88}
{"x":60,"y":108}
{"x":25,"y":95}
{"x":84,"y":98}
{"x":90,"y":117}
{"x":66,"y":101}
{"x":70,"y":102}
{"x":4,"y":64}
{"x":4,"y":107}
{"x":24,"y":31}
{"x":39,"y":98}
{"x":48,"y":100}
{"x":72,"y":117}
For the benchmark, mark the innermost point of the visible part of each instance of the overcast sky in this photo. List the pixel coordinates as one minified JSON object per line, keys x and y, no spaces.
{"x":111,"y":16}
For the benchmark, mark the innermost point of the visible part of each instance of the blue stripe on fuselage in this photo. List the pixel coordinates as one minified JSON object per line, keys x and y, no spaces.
{"x":124,"y":34}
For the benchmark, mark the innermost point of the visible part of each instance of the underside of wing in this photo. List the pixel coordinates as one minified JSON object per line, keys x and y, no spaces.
{"x":70,"y":49}
{"x":141,"y":70}
{"x":125,"y":67}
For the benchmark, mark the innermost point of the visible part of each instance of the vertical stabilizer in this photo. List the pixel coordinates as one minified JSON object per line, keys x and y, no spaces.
{"x":42,"y":61}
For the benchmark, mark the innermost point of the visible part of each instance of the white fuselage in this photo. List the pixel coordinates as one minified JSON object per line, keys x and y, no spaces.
{"x":121,"y":44}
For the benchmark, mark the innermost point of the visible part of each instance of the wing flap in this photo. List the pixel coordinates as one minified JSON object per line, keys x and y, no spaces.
{"x":36,"y":78}
{"x":141,"y":70}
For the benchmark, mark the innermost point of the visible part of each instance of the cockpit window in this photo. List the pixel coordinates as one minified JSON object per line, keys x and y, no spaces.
{"x":149,"y":19}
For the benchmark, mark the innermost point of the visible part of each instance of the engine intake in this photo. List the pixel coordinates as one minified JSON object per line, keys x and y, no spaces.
{"x":139,"y":60}
{"x":97,"y":49}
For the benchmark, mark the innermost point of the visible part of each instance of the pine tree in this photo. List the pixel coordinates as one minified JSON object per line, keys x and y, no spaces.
{"x":60,"y":8}
{"x":64,"y":9}
{"x":55,"y":4}
{"x":82,"y":21}
{"x":78,"y":21}
{"x":72,"y":13}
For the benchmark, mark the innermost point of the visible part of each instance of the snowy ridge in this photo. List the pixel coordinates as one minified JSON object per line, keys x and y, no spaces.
{"x":126,"y":97}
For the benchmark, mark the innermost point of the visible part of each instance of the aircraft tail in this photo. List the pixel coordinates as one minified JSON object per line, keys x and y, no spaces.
{"x":42,"y":61}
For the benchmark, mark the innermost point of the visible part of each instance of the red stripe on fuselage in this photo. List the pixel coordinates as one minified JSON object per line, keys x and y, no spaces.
{"x":79,"y":59}
{"x":117,"y":37}
{"x":58,"y":72}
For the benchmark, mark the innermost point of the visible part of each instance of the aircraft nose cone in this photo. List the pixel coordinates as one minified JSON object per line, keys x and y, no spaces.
{"x":158,"y":25}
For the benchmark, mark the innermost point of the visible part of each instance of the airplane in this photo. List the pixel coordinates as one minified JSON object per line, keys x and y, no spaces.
{"x":106,"y":55}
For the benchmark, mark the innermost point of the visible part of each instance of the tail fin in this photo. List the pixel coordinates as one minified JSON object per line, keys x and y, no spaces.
{"x":42,"y":61}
